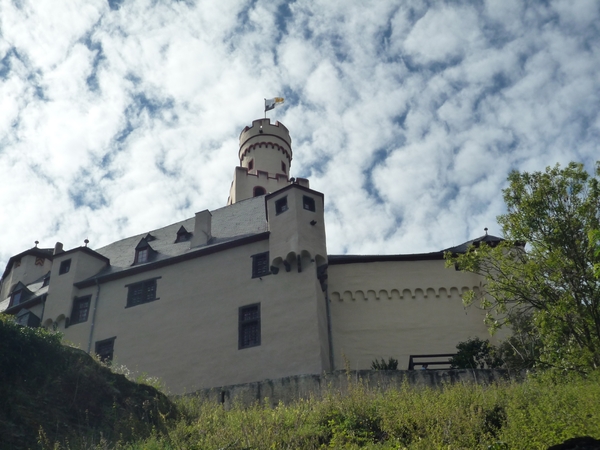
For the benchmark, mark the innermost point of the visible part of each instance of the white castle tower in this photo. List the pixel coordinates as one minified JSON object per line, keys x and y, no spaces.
{"x":265,"y":160}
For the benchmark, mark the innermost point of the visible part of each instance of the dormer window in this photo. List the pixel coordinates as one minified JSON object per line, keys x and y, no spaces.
{"x":15,"y":298}
{"x":183,"y":235}
{"x":143,"y":252}
{"x":141,"y":256}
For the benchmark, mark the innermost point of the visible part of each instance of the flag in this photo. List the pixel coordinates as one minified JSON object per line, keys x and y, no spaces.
{"x":271,"y":103}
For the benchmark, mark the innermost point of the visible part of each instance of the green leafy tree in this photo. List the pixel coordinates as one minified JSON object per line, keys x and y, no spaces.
{"x":546,"y":268}
{"x":476,"y":353}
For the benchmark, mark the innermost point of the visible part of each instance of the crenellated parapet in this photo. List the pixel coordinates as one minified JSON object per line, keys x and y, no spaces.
{"x":400,"y":294}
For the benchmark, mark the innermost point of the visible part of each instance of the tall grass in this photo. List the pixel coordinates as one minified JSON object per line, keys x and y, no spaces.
{"x":533,"y":414}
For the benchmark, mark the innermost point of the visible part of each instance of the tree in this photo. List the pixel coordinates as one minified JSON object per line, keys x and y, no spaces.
{"x":546,"y":268}
{"x":475,"y":353}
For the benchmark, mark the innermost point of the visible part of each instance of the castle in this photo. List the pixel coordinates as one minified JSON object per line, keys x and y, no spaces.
{"x":246,"y":292}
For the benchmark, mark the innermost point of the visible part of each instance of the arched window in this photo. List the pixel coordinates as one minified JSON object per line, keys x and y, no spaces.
{"x":259,"y":190}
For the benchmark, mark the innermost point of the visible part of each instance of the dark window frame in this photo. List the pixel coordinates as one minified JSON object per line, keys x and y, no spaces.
{"x":308,"y":203}
{"x":281,"y":205}
{"x":65,"y":267}
{"x":260,"y":265}
{"x":249,"y":330}
{"x":142,"y":255}
{"x":15,"y":297}
{"x":80,"y":305}
{"x":105,"y":349}
{"x":145,"y":294}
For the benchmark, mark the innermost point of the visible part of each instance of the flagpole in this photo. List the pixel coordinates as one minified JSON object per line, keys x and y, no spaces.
{"x":265,"y":108}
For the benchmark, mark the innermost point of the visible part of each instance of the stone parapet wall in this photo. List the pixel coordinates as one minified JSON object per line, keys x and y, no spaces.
{"x":292,"y":388}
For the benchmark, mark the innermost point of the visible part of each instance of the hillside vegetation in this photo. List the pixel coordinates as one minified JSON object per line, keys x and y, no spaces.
{"x":51,"y":393}
{"x":56,"y":397}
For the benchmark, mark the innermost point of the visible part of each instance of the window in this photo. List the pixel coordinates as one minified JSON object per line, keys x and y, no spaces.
{"x":281,"y":205}
{"x":183,"y":235}
{"x":141,"y":256}
{"x":283,"y":167}
{"x":46,"y":281}
{"x":142,"y":292}
{"x":251,"y":164}
{"x":81,"y":309}
{"x":65,"y":266}
{"x":16,"y":297}
{"x":260,"y":265}
{"x":259,"y":190}
{"x":249,"y":326}
{"x":105,"y":349}
{"x":309,"y":203}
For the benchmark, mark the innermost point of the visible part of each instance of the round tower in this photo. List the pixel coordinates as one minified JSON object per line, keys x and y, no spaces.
{"x":266,"y":147}
{"x":265,"y":158}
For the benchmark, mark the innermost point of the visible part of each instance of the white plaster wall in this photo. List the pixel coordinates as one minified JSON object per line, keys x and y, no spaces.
{"x":398,"y":308}
{"x":189,"y":336}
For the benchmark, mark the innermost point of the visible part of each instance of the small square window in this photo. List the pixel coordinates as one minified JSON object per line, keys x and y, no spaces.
{"x":260,"y":265}
{"x":309,"y":203}
{"x":281,"y":205}
{"x":142,"y":292}
{"x":105,"y":349}
{"x":65,"y":266}
{"x":81,"y":309}
{"x":249,"y":326}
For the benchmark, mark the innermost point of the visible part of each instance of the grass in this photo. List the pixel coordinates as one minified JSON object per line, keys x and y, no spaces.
{"x":534,"y":414}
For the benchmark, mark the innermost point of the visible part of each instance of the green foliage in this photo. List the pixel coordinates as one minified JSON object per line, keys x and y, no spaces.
{"x":539,"y":412}
{"x":476,"y":354}
{"x":53,"y":395}
{"x":552,"y":279}
{"x":391,"y":364}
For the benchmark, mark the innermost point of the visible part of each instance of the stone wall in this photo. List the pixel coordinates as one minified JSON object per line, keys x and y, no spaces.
{"x":293,"y":388}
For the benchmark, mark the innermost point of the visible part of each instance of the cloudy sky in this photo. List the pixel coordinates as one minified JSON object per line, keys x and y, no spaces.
{"x":119,"y":116}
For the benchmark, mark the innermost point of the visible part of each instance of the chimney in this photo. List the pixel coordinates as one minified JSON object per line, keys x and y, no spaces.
{"x":58,"y":248}
{"x":202,"y":232}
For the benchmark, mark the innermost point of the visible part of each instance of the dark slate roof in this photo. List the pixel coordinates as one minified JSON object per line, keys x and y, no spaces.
{"x":230,"y":223}
{"x":487,"y":238}
{"x":462,"y":248}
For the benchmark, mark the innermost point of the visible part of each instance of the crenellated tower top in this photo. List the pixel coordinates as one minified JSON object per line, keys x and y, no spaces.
{"x":265,"y":155}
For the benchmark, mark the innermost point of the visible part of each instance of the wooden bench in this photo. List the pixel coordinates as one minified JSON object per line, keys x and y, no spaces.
{"x":424,"y":361}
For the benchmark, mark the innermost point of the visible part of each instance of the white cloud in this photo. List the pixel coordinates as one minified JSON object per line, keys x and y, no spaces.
{"x":407,"y":116}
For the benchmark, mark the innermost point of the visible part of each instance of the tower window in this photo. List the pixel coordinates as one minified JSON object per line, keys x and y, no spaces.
{"x":249,"y":326}
{"x":105,"y":349}
{"x":251,"y":164}
{"x":65,"y":266}
{"x":283,"y":167}
{"x":308,"y":202}
{"x":259,"y":190}
{"x":81,"y":309}
{"x":281,"y":205}
{"x":260,"y":265}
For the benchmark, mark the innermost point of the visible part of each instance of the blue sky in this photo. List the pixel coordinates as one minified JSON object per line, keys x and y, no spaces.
{"x":118,"y":117}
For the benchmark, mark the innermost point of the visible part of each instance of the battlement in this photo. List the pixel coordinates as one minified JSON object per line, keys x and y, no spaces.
{"x":262,"y":130}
